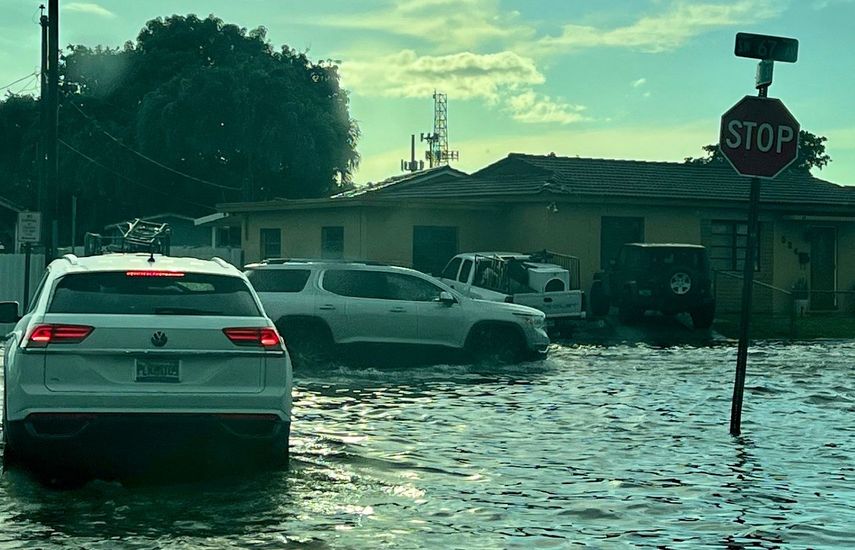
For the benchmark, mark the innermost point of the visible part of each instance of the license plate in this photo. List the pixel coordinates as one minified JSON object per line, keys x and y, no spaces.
{"x":158,"y":370}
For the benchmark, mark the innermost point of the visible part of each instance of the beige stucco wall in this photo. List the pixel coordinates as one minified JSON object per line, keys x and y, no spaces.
{"x":389,"y":231}
{"x":575,"y":229}
{"x":301,"y":231}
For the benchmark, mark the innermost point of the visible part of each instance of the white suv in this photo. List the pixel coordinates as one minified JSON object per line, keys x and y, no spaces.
{"x":318,"y":303}
{"x":125,"y":360}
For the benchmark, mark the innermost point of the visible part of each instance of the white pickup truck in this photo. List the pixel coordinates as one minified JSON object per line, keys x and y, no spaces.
{"x":546,"y":281}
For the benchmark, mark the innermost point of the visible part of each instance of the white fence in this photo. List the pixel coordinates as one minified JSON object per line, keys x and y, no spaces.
{"x":12,"y":275}
{"x":12,"y":267}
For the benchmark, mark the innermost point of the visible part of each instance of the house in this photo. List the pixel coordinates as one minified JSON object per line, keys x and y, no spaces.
{"x":586,"y":207}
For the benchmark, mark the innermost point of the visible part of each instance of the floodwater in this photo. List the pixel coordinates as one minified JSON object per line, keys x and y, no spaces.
{"x":618,"y":446}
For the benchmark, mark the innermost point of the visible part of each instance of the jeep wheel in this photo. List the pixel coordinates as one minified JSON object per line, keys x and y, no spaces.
{"x":702,"y":317}
{"x":309,"y":343}
{"x":599,"y":302}
{"x":495,"y":345}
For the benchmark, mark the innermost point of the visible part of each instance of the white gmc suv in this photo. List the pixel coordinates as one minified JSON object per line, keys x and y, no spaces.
{"x":128,"y":361}
{"x":319,"y":305}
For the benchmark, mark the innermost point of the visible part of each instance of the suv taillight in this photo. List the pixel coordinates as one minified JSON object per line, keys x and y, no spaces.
{"x":42,"y":335}
{"x":266,"y":338}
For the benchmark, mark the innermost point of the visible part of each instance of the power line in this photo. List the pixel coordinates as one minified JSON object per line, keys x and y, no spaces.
{"x":35,"y":73}
{"x":149,"y":159}
{"x":129,"y":180}
{"x":28,"y":85}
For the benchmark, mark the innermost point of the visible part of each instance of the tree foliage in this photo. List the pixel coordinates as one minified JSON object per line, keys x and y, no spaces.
{"x":811,"y":153}
{"x":190,"y":97}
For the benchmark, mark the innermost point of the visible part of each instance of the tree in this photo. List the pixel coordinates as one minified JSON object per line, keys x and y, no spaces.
{"x":194,"y":112}
{"x":811,"y":153}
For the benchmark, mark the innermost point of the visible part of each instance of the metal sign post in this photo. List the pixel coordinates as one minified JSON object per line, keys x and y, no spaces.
{"x":759,"y":137}
{"x":29,"y":233}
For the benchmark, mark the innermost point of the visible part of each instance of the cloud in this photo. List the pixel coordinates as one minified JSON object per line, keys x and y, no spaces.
{"x":464,"y":75}
{"x":639,"y":82}
{"x":504,"y":80}
{"x":531,"y":107}
{"x":449,"y":25}
{"x":666,"y":31}
{"x":89,"y":8}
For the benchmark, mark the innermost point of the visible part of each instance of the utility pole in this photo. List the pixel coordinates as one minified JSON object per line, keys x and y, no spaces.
{"x":52,"y":120}
{"x":43,"y":124}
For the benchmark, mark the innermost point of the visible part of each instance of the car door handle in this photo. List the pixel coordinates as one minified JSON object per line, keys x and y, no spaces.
{"x":327,"y":307}
{"x":397,"y":310}
{"x":547,"y":300}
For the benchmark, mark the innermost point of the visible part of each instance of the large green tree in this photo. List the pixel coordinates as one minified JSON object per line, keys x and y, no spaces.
{"x":194,"y":112}
{"x":811,"y":153}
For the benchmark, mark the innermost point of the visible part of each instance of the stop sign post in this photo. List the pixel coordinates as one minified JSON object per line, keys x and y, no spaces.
{"x":759,"y":137}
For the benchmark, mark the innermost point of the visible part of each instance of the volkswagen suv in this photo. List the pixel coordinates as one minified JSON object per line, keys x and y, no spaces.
{"x":319,"y":305}
{"x":129,"y":361}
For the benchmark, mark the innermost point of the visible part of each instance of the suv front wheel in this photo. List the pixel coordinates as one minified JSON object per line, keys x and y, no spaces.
{"x":495,"y":344}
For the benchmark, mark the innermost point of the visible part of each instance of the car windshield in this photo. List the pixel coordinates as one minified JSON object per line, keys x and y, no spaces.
{"x":127,"y":293}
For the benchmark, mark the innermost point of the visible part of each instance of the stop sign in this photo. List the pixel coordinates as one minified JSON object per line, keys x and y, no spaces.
{"x":759,"y":136}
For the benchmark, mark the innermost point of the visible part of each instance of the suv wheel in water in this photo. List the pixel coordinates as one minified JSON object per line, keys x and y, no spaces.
{"x":703,"y":316}
{"x":492,"y":344}
{"x":309,"y":342}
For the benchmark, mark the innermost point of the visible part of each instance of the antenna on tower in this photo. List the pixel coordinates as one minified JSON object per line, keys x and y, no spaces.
{"x":438,"y":153}
{"x":412,"y":165}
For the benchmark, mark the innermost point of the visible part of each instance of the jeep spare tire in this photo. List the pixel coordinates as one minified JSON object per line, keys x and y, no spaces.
{"x":680,"y":282}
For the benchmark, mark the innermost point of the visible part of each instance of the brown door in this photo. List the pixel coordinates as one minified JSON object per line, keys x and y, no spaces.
{"x":614,"y":232}
{"x":823,"y":268}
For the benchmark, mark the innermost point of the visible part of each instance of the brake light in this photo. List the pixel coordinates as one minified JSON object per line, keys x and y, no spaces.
{"x":154,"y":274}
{"x":43,"y":335}
{"x":262,"y":337}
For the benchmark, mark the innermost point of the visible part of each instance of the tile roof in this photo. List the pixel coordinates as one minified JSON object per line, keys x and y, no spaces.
{"x":439,"y":173}
{"x":520,"y":175}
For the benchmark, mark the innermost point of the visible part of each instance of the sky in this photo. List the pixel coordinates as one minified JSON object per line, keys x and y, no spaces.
{"x":623,"y":79}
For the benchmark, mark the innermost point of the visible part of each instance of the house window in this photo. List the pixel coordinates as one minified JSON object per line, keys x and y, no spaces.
{"x":433,"y":246}
{"x":271,"y":243}
{"x":332,"y":242}
{"x":727,"y":244}
{"x":228,"y":236}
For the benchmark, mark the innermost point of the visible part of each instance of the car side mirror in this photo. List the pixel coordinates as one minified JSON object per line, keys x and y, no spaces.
{"x":9,"y":312}
{"x":446,"y":298}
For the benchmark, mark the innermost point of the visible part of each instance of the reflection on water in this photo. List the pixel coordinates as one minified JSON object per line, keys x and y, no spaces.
{"x":619,"y":446}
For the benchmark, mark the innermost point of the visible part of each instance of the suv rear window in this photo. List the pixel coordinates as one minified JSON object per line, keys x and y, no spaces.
{"x":278,"y":280}
{"x":117,"y":292}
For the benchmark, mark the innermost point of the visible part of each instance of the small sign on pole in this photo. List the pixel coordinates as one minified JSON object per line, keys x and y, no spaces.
{"x":29,"y":227}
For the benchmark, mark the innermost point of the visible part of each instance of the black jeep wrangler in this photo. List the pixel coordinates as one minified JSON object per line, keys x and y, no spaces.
{"x":671,"y":278}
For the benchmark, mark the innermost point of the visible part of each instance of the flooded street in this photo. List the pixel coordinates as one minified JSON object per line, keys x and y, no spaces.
{"x":608,"y":447}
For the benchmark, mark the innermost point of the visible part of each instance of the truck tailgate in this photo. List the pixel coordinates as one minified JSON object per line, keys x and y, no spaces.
{"x":556,"y":305}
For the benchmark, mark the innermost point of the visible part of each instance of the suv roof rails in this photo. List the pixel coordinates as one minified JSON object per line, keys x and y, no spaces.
{"x":280,"y":261}
{"x":221,"y":262}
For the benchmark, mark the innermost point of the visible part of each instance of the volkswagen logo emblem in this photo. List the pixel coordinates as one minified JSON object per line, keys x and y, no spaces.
{"x":159,"y":338}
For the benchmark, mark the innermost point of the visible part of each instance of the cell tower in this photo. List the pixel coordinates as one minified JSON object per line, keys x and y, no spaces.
{"x":438,"y":153}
